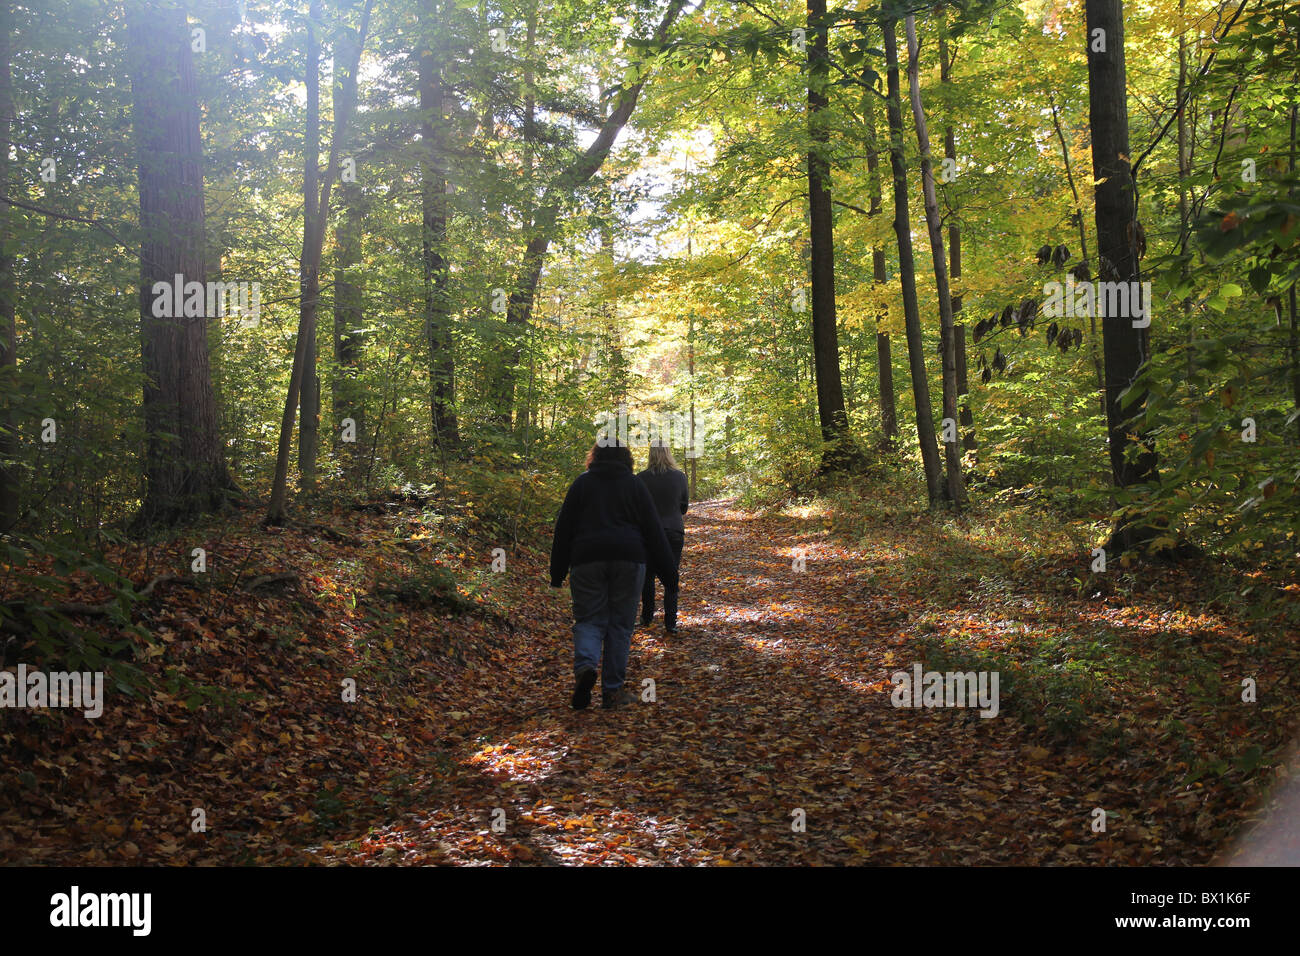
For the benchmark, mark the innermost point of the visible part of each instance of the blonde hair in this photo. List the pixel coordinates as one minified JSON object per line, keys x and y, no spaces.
{"x":661,"y":459}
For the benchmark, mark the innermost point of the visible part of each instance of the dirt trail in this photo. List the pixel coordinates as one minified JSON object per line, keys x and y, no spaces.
{"x":771,"y":708}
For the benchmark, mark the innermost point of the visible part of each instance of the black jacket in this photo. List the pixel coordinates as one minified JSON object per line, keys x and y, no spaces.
{"x":672,"y":496}
{"x":609,"y":516}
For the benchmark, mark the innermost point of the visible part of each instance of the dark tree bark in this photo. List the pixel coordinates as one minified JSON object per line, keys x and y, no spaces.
{"x":955,"y":488}
{"x":10,"y":476}
{"x":525,"y":413}
{"x":907,"y":274}
{"x":1293,"y":337}
{"x":309,"y":265}
{"x":1125,"y":348}
{"x":349,"y":339}
{"x":437,"y":310}
{"x":966,"y":417}
{"x":840,"y":452}
{"x":184,"y":470}
{"x":1184,"y":207}
{"x":880,"y":275}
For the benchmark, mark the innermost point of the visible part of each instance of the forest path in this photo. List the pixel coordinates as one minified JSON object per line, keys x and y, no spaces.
{"x":772,"y":707}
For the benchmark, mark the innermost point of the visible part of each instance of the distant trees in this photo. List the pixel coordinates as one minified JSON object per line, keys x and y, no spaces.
{"x":473,"y":301}
{"x":546,"y":219}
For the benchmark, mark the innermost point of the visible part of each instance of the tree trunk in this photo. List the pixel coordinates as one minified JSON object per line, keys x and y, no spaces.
{"x":311,"y":255}
{"x":840,"y":452}
{"x":10,"y":475}
{"x":437,"y":309}
{"x":1293,"y":338}
{"x":1184,"y":207}
{"x":907,"y":274}
{"x":880,"y":275}
{"x":530,"y":137}
{"x":309,"y":266}
{"x":349,"y":339}
{"x":185,"y":473}
{"x":955,"y":487}
{"x":1125,"y":348}
{"x":966,"y":417}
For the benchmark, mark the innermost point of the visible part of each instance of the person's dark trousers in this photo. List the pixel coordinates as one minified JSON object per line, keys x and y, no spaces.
{"x":604,"y":614}
{"x":676,"y":540}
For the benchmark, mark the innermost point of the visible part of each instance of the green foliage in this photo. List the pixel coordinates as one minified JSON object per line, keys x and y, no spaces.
{"x":1044,"y":685}
{"x":672,"y":276}
{"x":47,"y":634}
{"x":433,"y":585}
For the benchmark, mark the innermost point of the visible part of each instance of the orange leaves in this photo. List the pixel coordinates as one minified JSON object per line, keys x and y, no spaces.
{"x":774,"y":696}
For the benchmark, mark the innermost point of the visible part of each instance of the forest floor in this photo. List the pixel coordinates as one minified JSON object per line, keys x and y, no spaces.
{"x":763,"y":732}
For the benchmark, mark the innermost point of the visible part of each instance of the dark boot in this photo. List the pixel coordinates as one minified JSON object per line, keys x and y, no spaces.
{"x":616,"y":700}
{"x":582,"y":688}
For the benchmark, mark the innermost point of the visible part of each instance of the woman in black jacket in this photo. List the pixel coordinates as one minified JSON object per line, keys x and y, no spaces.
{"x":606,"y":533}
{"x":671,"y":492}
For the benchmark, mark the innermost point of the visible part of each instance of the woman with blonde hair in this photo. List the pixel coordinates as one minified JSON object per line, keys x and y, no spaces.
{"x":671,"y":493}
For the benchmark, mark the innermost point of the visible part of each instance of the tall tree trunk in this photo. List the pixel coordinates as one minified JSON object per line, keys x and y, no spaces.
{"x":309,"y":266}
{"x":1293,"y":342}
{"x":10,"y":475}
{"x":185,"y":473}
{"x":907,"y":273}
{"x":349,"y":337}
{"x":955,"y":486}
{"x":840,"y":452}
{"x":966,"y":416}
{"x":437,"y":307}
{"x":880,"y":275}
{"x":1125,"y":348}
{"x":519,"y":309}
{"x":311,"y":254}
{"x":1184,"y":207}
{"x":530,"y":137}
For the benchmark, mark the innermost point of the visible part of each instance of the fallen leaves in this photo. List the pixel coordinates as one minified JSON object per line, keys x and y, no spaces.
{"x":773,"y":697}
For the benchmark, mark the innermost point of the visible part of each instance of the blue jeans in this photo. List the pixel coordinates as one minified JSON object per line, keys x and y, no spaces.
{"x":605,"y":596}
